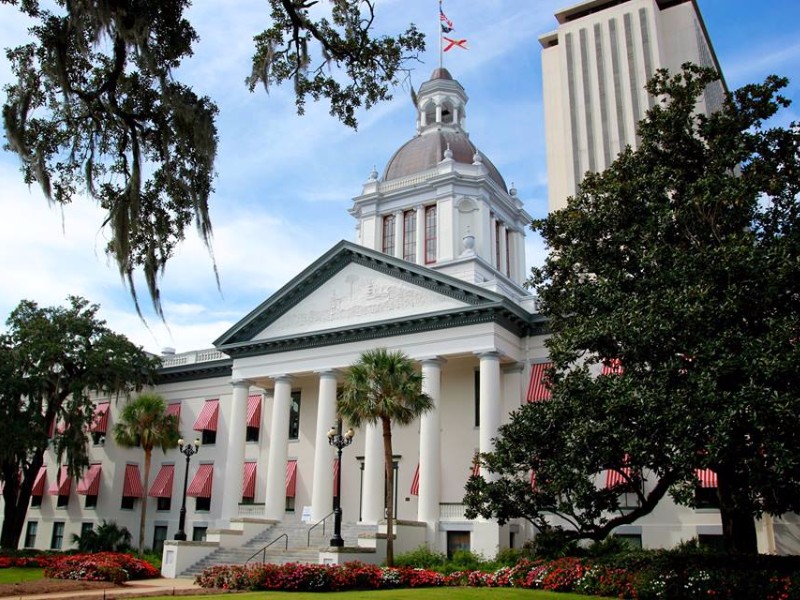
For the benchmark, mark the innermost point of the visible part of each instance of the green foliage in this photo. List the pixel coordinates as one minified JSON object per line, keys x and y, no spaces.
{"x":285,"y":52}
{"x":52,"y":361}
{"x":384,"y":387}
{"x":421,"y":558}
{"x":96,"y":108}
{"x":108,"y":537}
{"x":144,"y":422}
{"x":678,"y":262}
{"x":465,"y":560}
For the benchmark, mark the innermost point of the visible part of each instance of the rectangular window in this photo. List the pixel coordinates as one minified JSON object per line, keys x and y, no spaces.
{"x":98,"y":438}
{"x":508,"y":253}
{"x":388,"y":235}
{"x":58,"y":535}
{"x":410,"y":235}
{"x":477,"y":388}
{"x":91,"y":501}
{"x":128,"y":503}
{"x":163,"y":503}
{"x":202,"y":503}
{"x":498,"y":231}
{"x":457,"y":541}
{"x":86,"y":528}
{"x":63,"y":501}
{"x":290,"y":504}
{"x":199,"y":534}
{"x":159,"y":537}
{"x":252,"y":434}
{"x":294,"y":417}
{"x":36,"y":501}
{"x":30,"y":534}
{"x":208,"y":437}
{"x":430,"y":234}
{"x":706,"y":497}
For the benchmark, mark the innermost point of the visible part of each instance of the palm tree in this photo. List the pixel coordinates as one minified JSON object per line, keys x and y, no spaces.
{"x":384,"y":387}
{"x":144,"y":422}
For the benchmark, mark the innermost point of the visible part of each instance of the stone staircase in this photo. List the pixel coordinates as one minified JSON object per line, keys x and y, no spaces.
{"x":299,"y":548}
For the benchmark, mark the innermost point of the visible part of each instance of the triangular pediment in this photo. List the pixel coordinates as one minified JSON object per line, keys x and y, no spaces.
{"x":355,"y":295}
{"x":355,"y":291}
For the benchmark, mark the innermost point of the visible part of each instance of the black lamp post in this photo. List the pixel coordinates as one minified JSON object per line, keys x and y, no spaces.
{"x":188,"y":450}
{"x":338,"y":441}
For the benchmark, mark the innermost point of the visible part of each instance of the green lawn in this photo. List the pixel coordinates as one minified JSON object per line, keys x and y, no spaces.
{"x":18,"y":575}
{"x":447,"y":593}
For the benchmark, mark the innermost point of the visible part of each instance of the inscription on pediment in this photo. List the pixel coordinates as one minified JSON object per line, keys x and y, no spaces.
{"x":357,"y":295}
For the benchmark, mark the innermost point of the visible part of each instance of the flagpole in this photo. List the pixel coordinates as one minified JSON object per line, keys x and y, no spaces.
{"x":439,"y":28}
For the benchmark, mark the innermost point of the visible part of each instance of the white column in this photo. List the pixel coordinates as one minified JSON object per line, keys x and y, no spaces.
{"x":234,"y":467}
{"x":322,"y":490}
{"x":275,"y":501}
{"x":430,"y":450}
{"x":420,"y":235}
{"x":501,"y":232}
{"x":398,"y":234}
{"x":372,"y":504}
{"x":492,"y":241}
{"x":490,"y":402}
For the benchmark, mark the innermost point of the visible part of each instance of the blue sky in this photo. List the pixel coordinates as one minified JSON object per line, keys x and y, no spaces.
{"x":285,"y":182}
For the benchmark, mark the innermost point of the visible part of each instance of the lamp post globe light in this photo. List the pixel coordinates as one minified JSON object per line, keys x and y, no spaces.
{"x":338,"y":441}
{"x":188,"y":450}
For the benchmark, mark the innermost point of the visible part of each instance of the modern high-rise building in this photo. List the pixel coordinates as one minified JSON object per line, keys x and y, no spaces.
{"x":594,"y":70}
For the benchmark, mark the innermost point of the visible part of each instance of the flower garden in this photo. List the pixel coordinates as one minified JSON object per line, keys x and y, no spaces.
{"x":653,"y":578}
{"x":114,"y":567}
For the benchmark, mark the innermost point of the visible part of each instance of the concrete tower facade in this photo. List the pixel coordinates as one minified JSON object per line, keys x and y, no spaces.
{"x":594,"y":69}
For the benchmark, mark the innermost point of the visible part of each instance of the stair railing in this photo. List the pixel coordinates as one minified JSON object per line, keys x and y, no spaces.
{"x":263,"y":550}
{"x":320,"y":522}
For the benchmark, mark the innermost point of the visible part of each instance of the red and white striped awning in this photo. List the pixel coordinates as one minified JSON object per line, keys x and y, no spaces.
{"x":100,"y":420}
{"x":201,"y":484}
{"x":38,"y":484}
{"x":335,"y":476}
{"x":618,"y":476}
{"x":415,"y":483}
{"x":291,"y":478}
{"x":707,"y":477}
{"x":533,"y":480}
{"x":90,"y":484}
{"x":537,"y":388}
{"x":174,"y":410}
{"x":476,"y":468}
{"x":612,"y":366}
{"x":207,"y":420}
{"x":62,"y":484}
{"x":162,"y":486}
{"x":132,"y":484}
{"x":254,"y":410}
{"x":249,"y":480}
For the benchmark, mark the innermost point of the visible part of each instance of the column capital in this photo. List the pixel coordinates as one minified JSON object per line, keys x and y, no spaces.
{"x":240,"y":383}
{"x":432,"y":361}
{"x":328,"y":372}
{"x":283,"y":378}
{"x":488,"y":354}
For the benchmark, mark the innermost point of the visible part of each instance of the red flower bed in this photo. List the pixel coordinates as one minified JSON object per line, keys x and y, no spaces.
{"x":25,"y":561}
{"x":101,"y":566}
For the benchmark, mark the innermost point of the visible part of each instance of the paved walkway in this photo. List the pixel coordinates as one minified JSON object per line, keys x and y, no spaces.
{"x":132,"y":589}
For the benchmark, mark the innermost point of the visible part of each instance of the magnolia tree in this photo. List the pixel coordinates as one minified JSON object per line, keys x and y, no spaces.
{"x":678,"y":265}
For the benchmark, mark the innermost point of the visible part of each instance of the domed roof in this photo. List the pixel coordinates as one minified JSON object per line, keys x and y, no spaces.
{"x":425,"y":151}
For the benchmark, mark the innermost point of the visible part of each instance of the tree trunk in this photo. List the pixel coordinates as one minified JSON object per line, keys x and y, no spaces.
{"x":738,"y":524}
{"x":389,"y":505}
{"x":16,"y":498}
{"x":148,"y":454}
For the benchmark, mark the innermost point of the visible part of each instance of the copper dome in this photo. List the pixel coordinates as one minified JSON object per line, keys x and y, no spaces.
{"x":426,"y":151}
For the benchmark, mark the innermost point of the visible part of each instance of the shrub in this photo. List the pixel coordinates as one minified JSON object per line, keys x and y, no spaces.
{"x":101,"y":566}
{"x":421,"y":558}
{"x":108,"y":537}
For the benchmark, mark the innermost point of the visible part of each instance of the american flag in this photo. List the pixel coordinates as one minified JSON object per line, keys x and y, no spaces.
{"x":447,"y":24}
